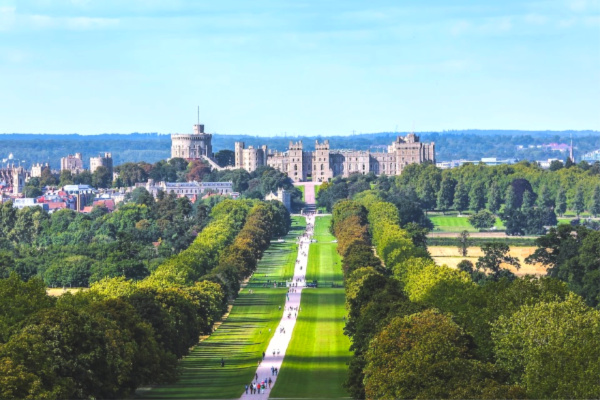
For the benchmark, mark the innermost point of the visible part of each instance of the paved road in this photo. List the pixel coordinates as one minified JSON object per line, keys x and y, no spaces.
{"x":280,"y":341}
{"x":309,"y":191}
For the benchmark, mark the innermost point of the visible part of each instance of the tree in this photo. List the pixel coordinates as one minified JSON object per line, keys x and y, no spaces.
{"x":561,"y":201}
{"x":494,"y":255}
{"x":579,"y":201}
{"x":101,"y":178}
{"x":495,"y":198}
{"x":555,"y":165}
{"x":66,"y":177}
{"x":482,"y":220}
{"x":461,"y":197}
{"x":225,"y":158}
{"x":83,"y":178}
{"x":426,"y":355}
{"x":446,"y":193}
{"x":528,"y":200}
{"x":595,"y":203}
{"x":511,"y":201}
{"x":551,"y":348}
{"x":477,"y":197}
{"x":47,"y":178}
{"x":141,"y":196}
{"x":463,"y":243}
{"x":545,"y":198}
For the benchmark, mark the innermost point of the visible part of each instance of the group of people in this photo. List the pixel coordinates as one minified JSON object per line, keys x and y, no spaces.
{"x":259,"y":387}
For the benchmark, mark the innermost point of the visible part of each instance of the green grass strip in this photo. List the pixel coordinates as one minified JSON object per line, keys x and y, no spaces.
{"x":242,"y":338}
{"x":315,"y":362}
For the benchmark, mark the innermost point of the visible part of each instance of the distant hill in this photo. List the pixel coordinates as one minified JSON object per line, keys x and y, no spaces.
{"x":151,"y":147}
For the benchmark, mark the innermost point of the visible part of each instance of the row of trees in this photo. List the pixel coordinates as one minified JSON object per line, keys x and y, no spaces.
{"x":475,"y":187}
{"x":421,"y":330}
{"x":120,"y":334}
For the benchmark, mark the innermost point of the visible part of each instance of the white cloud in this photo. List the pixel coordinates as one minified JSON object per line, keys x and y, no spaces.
{"x":536,"y":19}
{"x":7,"y":18}
{"x":460,"y":27}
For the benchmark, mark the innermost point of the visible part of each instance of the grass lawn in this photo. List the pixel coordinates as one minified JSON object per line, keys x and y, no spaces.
{"x":454,"y":223}
{"x":242,"y":338}
{"x":301,"y":188}
{"x":315,"y":361}
{"x":317,"y":188}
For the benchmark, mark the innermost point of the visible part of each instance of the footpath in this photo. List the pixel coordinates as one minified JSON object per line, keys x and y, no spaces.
{"x":275,"y":353}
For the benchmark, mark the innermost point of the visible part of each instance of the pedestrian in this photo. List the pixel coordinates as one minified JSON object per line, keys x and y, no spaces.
{"x":273,"y":353}
{"x":272,"y":367}
{"x":270,"y":382}
{"x":256,"y":376}
{"x":263,"y":355}
{"x":246,"y":389}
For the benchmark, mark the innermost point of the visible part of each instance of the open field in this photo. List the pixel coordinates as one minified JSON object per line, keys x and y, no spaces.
{"x":242,"y":338}
{"x":60,"y":291}
{"x":315,"y":362}
{"x":454,"y":223}
{"x":450,"y":256}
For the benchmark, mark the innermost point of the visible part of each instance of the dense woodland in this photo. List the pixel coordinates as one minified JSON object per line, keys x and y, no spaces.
{"x":419,"y":330}
{"x":152,"y":147}
{"x":124,"y":333}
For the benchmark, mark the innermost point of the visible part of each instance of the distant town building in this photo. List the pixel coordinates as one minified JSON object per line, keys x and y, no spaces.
{"x":19,"y":176}
{"x":36,"y":169}
{"x":485,"y":160}
{"x":592,"y":156}
{"x":28,"y":202}
{"x":323,"y":163}
{"x":83,"y":194}
{"x":73,"y":163}
{"x":189,"y":189}
{"x":283,"y":196}
{"x":102,"y":161}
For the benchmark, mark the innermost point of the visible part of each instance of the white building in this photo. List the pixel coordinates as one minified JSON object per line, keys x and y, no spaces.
{"x":282,"y":196}
{"x":189,"y":189}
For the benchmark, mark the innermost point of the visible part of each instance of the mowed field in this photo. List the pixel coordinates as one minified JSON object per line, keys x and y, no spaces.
{"x":242,"y":337}
{"x":450,"y":256}
{"x":315,"y":362}
{"x":454,"y":223}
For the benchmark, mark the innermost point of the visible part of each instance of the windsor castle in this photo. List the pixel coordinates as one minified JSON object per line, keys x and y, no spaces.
{"x":319,"y":165}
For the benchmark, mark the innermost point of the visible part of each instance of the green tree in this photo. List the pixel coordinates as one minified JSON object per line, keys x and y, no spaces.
{"x":561,"y":201}
{"x":48,"y":178}
{"x":225,"y":158}
{"x":477,"y":197}
{"x":555,"y":165}
{"x":545,"y":198}
{"x":595,"y":202}
{"x":494,"y":198}
{"x":463,"y":243}
{"x":66,"y":178}
{"x":83,"y":178}
{"x":461,"y":197}
{"x":482,"y":220}
{"x":494,"y":255}
{"x":101,"y":178}
{"x":579,"y":201}
{"x":511,"y":200}
{"x":425,"y":355}
{"x":551,"y":349}
{"x":528,"y":200}
{"x":446,"y":193}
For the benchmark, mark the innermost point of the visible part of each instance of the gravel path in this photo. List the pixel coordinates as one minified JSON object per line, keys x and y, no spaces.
{"x":280,"y":341}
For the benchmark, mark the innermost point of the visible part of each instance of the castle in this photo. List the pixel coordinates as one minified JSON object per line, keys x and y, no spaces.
{"x":319,"y":165}
{"x":192,"y":147}
{"x":322,"y":164}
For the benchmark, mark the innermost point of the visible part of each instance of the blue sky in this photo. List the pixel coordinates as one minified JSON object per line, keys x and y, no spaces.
{"x":302,"y":67}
